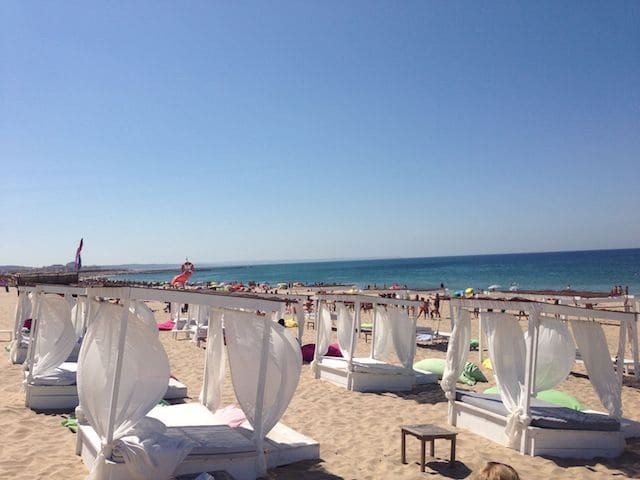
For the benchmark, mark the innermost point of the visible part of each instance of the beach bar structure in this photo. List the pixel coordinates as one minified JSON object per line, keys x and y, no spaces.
{"x":123,"y":433}
{"x":392,"y":328}
{"x":525,"y":363}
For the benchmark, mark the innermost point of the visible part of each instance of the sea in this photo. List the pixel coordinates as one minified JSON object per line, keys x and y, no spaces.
{"x":594,"y":270}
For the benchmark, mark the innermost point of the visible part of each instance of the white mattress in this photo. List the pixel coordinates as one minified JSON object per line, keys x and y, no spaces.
{"x":365,"y":365}
{"x":65,"y":374}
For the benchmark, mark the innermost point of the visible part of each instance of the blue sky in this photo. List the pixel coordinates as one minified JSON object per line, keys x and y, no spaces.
{"x":240,"y":131}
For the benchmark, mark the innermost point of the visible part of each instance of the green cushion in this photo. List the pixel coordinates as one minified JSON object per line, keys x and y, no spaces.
{"x":552,"y":396}
{"x":474,"y":344}
{"x":433,"y":365}
{"x":470,"y":375}
{"x":471,"y":370}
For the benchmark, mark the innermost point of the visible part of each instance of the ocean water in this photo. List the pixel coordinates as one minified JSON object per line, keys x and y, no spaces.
{"x":597,"y":270}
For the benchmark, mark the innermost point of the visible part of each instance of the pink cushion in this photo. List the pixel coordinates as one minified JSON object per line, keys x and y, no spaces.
{"x":309,"y":349}
{"x":168,"y":325}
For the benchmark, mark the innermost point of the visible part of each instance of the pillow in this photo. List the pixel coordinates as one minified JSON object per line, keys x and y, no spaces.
{"x":470,"y":375}
{"x":471,"y":370}
{"x":433,"y":365}
{"x":309,"y":350}
{"x":552,"y":396}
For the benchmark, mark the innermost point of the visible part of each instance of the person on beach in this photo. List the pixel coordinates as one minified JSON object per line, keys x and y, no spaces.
{"x":435,"y":312}
{"x":496,"y":471}
{"x":424,"y":308}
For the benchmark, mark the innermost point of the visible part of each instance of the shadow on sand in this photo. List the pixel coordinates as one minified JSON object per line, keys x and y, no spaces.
{"x":309,"y":470}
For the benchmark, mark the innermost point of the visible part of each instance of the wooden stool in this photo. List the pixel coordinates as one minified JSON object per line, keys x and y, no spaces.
{"x":423,"y":433}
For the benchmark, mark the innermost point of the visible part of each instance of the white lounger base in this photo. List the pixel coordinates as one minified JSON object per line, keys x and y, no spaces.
{"x":539,"y":441}
{"x":391,"y":378}
{"x":65,"y":397}
{"x":283,"y":446}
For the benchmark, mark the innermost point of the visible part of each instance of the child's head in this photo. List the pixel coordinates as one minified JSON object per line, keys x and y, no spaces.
{"x":496,"y":471}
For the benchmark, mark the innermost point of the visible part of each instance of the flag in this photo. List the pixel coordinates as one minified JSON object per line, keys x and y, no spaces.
{"x":78,"y":258}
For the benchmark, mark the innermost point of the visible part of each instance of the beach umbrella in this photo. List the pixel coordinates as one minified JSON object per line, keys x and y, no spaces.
{"x":493,"y":287}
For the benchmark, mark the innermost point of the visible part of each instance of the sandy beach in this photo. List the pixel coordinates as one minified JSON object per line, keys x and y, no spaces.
{"x":359,"y":433}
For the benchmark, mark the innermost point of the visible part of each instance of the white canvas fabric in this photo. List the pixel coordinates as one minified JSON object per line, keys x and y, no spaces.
{"x":556,"y":353}
{"x":147,"y":453}
{"x":23,"y":312}
{"x":323,"y":335}
{"x":592,"y":345}
{"x":265,"y":363}
{"x":79,"y":315}
{"x":145,"y":314}
{"x":145,"y":373}
{"x":55,"y":335}
{"x":300,"y":320}
{"x":403,"y":333}
{"x":213,"y":383}
{"x":457,"y":351}
{"x":507,"y":350}
{"x":345,"y":327}
{"x":382,"y":337}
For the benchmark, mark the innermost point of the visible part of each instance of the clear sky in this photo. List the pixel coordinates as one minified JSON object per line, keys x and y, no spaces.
{"x":241,"y":131}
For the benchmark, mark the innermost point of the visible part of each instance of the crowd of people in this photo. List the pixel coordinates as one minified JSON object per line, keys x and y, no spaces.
{"x":617,"y":290}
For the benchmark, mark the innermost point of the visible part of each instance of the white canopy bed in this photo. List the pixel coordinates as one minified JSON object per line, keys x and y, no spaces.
{"x":393,"y":328}
{"x":525,"y":363}
{"x":61,"y":315}
{"x":123,"y":434}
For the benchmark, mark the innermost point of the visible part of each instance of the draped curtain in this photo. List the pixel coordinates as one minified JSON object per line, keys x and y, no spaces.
{"x":592,"y":345}
{"x":382,"y":337}
{"x":457,"y":351}
{"x":212,"y":387}
{"x":506,"y":345}
{"x":265,"y":363}
{"x":324,"y":333}
{"x":403,"y":334}
{"x":55,"y":335}
{"x":344,"y":327}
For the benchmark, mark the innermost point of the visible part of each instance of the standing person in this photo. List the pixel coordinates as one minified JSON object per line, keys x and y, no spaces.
{"x":424,"y":308}
{"x":436,"y":306}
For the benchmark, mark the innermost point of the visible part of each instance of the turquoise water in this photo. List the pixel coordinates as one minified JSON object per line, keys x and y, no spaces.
{"x":597,"y":270}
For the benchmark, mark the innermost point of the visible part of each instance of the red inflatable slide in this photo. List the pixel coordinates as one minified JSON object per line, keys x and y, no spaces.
{"x":187,"y":270}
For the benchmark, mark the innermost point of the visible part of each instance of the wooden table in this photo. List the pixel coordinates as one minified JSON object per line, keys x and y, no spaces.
{"x":423,"y":433}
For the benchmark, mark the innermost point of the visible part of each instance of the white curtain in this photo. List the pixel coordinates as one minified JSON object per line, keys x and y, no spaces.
{"x":592,"y":345}
{"x":556,"y":353}
{"x":55,"y":335}
{"x":382,"y":336}
{"x":507,"y":351}
{"x":403,"y":333}
{"x":23,"y":311}
{"x":457,"y":351}
{"x":265,"y":363}
{"x":323,"y":335}
{"x":344,"y":327}
{"x":145,"y":314}
{"x":79,"y":315}
{"x":175,"y":311}
{"x":143,"y":382}
{"x":213,"y":383}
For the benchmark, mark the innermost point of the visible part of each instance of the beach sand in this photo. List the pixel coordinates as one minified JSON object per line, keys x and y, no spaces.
{"x":359,"y":433}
